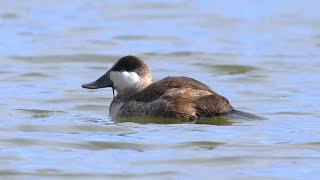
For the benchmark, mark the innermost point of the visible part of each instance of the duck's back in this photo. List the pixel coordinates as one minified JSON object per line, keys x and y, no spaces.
{"x":180,"y":97}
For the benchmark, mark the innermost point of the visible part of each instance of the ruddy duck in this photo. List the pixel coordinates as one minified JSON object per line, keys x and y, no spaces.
{"x":179,"y":97}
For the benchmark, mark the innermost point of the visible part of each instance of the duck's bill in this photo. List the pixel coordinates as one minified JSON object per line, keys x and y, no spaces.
{"x":103,"y":82}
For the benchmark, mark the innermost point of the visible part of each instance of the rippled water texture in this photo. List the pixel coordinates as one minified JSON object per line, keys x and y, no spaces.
{"x":263,"y":55}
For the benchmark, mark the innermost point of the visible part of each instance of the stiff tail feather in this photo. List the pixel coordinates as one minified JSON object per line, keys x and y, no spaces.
{"x":247,"y":115}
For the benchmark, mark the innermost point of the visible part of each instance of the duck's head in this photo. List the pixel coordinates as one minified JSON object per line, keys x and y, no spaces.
{"x":129,"y":74}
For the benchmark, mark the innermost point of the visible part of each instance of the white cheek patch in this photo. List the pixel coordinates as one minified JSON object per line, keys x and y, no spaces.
{"x":124,"y":80}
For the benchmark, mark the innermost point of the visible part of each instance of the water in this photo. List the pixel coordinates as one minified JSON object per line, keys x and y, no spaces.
{"x":263,"y":55}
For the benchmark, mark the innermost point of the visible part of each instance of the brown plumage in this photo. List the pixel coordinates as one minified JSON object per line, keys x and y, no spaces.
{"x":179,"y":97}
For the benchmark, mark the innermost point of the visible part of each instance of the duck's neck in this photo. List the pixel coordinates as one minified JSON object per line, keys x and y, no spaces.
{"x":128,"y":92}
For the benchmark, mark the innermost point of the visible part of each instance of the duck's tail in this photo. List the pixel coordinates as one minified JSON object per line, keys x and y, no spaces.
{"x":247,"y":115}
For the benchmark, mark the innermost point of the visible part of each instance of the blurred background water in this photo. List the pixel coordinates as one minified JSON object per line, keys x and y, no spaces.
{"x":263,"y":55}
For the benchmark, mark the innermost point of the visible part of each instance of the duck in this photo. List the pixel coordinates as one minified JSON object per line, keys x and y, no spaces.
{"x":174,"y":97}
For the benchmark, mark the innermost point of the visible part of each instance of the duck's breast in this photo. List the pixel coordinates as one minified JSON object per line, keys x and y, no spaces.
{"x":116,"y":108}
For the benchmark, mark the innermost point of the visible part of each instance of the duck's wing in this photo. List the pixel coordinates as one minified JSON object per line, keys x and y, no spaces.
{"x":157,"y":89}
{"x":212,"y":105}
{"x":179,"y":97}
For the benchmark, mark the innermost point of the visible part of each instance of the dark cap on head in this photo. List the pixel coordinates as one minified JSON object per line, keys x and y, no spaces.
{"x":130,"y":64}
